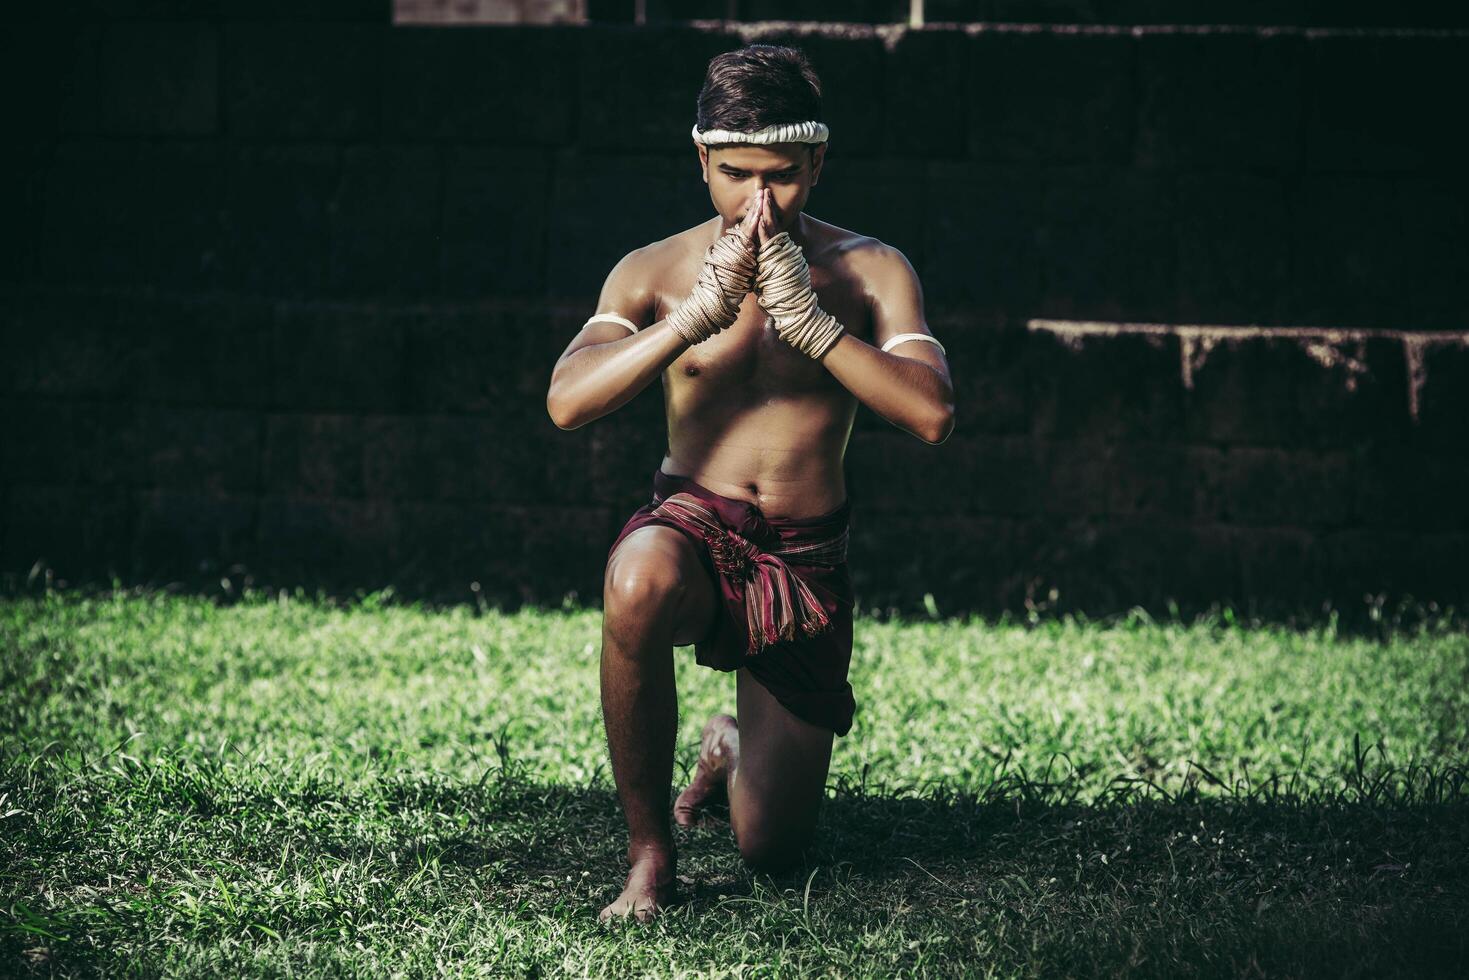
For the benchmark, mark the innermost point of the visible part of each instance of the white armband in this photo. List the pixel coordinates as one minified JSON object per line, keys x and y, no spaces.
{"x":612,"y":318}
{"x":904,"y":337}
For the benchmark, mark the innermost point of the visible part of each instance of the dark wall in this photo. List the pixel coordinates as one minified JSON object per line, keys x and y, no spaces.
{"x":285,"y":292}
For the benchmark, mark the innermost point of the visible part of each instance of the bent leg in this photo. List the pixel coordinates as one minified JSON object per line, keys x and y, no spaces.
{"x":655,"y":595}
{"x":777,"y":785}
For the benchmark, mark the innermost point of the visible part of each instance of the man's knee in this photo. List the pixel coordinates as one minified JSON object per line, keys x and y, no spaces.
{"x":775,"y":852}
{"x":641,"y":586}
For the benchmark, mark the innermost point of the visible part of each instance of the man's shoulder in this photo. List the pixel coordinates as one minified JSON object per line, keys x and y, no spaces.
{"x":652,"y":261}
{"x":862,"y":251}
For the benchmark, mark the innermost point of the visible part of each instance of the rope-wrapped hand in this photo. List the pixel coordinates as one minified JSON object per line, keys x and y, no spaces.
{"x":783,"y":289}
{"x":727,"y":275}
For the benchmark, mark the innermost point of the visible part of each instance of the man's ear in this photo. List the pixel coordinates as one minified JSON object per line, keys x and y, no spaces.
{"x":703,"y":159}
{"x":818,"y":156}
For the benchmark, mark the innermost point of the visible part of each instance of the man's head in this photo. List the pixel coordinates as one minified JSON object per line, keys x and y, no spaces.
{"x":747,"y":90}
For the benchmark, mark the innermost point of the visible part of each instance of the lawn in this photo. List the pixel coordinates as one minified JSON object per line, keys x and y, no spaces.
{"x":290,"y":784}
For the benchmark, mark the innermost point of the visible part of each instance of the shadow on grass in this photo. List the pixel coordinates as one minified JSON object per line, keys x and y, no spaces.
{"x":1363,"y":878}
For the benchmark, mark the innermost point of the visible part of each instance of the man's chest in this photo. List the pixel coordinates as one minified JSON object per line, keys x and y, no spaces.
{"x":750,"y":352}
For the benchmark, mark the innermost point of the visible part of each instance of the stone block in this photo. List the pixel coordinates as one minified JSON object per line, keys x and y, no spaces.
{"x":473,"y":359}
{"x":304,"y":81}
{"x":327,"y":540}
{"x":1377,"y":102}
{"x":639,"y":86}
{"x":1107,"y":245}
{"x":1073,"y":478}
{"x":450,"y":545}
{"x":881,"y":198}
{"x":925,"y":108}
{"x":48,"y":78}
{"x":69,"y":345}
{"x":200,"y":350}
{"x":896,"y":473}
{"x":566,"y":550}
{"x":853,"y":73}
{"x":109,"y":440}
{"x":1281,"y":565}
{"x":81,"y":532}
{"x":23,"y":173}
{"x":982,"y":246}
{"x":336,"y":358}
{"x":1232,"y":233}
{"x":495,"y":220}
{"x":181,"y":533}
{"x":1304,"y":488}
{"x":1292,"y":389}
{"x":371,"y":11}
{"x":1364,"y":562}
{"x":160,"y":79}
{"x":1441,"y":370}
{"x":495,"y":85}
{"x":1219,"y":101}
{"x":1105,"y":386}
{"x":1407,"y":488}
{"x":1378,"y":251}
{"x":39,"y":443}
{"x":627,"y":446}
{"x":134,"y":213}
{"x":989,"y":374}
{"x":1047,"y":98}
{"x":203,"y":450}
{"x":314,"y":455}
{"x":385,"y":225}
{"x":1118,"y":562}
{"x":277,"y":229}
{"x":596,"y":219}
{"x":1177,"y":481}
{"x":965,"y":562}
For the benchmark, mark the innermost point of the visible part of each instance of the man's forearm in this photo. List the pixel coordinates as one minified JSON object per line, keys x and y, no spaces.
{"x":601,"y":378}
{"x":908,"y":393}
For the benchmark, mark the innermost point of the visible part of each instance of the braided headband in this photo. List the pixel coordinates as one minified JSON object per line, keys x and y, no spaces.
{"x":810,"y":131}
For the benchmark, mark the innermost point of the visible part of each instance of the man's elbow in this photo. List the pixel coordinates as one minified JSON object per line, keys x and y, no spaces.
{"x":561,"y":414}
{"x":938,"y":428}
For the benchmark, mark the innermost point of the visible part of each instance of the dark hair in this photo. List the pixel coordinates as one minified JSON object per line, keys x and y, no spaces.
{"x":756,"y":86}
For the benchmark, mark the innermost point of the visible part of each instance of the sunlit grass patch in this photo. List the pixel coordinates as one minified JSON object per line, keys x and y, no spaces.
{"x":294,"y":785}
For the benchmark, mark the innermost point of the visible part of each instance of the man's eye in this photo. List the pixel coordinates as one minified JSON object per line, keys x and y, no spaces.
{"x":735,"y":176}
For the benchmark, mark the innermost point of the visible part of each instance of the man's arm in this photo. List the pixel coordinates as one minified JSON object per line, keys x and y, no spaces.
{"x":605,"y":366}
{"x":909,"y":386}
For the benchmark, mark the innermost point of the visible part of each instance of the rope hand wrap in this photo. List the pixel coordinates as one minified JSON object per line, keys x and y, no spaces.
{"x":727,"y":275}
{"x":783,"y":289}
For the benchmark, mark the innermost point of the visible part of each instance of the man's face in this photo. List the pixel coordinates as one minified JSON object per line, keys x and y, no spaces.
{"x":736,"y":174}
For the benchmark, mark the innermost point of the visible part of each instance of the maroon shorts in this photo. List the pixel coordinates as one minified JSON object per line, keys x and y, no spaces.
{"x":807,"y":674}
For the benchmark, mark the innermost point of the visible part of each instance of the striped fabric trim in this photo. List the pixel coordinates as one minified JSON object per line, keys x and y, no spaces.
{"x":905,"y":337}
{"x":778,"y":603}
{"x":612,"y":318}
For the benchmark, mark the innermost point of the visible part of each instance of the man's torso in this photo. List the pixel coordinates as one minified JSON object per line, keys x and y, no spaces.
{"x":749,"y":416}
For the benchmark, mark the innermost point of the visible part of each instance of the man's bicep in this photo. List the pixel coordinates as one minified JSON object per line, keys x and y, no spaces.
{"x":898,"y":324}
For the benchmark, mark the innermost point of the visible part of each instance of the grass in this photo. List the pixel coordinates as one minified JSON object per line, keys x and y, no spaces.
{"x":287,"y":784}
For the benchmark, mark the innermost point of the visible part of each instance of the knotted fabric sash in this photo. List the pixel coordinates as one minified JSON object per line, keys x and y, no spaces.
{"x":778,"y":604}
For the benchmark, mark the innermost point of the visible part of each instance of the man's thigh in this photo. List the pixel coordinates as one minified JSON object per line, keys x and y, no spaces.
{"x":781,"y":778}
{"x":656,"y":558}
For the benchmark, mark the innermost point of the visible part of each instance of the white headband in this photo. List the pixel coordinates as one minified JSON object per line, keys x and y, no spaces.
{"x":801,"y":132}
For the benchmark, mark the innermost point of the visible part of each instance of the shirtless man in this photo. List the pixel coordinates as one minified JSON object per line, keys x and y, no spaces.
{"x":762,"y":370}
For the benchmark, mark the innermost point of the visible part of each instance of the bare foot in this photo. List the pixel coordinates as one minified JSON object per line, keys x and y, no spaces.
{"x":650,"y":886}
{"x":719,"y":749}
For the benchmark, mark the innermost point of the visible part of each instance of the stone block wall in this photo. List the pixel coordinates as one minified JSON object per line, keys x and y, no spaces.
{"x":283,"y":286}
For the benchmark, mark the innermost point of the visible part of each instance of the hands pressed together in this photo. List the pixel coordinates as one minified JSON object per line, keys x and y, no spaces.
{"x":752,"y":257}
